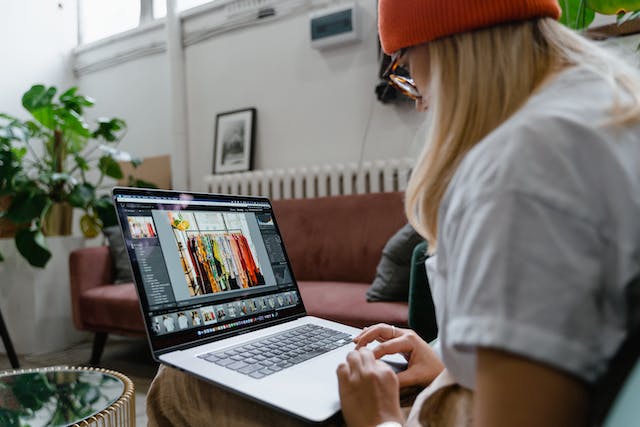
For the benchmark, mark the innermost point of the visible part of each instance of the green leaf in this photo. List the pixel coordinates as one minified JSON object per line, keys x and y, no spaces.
{"x":69,"y":93}
{"x":38,"y":97}
{"x":110,"y":167}
{"x":19,"y":152}
{"x":10,"y":167}
{"x":81,"y":162}
{"x":34,"y":129}
{"x":73,"y":122}
{"x":24,"y":184}
{"x":81,"y":195}
{"x":32,"y":390}
{"x":58,"y":418}
{"x":32,"y":246}
{"x":7,"y":117}
{"x":10,"y":418}
{"x":27,"y":206}
{"x":109,"y":129}
{"x":576,"y":14}
{"x":45,"y":116}
{"x":14,"y":129}
{"x":74,"y":102}
{"x":106,"y":211}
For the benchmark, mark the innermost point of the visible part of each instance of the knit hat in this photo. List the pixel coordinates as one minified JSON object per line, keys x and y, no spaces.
{"x":404,"y":23}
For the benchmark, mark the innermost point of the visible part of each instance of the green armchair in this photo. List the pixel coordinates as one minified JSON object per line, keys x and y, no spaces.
{"x":422,"y":316}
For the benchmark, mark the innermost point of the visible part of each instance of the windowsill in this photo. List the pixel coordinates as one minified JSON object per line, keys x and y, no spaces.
{"x":203,"y":9}
{"x":150,"y":26}
{"x":107,"y":41}
{"x":149,"y":39}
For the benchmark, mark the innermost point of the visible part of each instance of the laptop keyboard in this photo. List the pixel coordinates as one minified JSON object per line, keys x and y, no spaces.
{"x":274,"y":353}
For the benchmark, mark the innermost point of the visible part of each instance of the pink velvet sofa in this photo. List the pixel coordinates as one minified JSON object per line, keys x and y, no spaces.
{"x":334,"y":244}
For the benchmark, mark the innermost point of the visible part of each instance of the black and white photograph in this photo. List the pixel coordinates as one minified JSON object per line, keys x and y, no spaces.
{"x":234,"y":136}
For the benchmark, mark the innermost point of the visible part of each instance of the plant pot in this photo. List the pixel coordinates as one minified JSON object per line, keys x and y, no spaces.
{"x":35,"y":302}
{"x":7,"y":228}
{"x":57,"y":222}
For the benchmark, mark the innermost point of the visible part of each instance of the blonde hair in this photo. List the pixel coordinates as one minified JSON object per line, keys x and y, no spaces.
{"x":478,"y":80}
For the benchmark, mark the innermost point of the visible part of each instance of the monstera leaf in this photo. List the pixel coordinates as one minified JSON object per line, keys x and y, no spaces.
{"x":57,"y":156}
{"x":32,"y":246}
{"x":576,"y":14}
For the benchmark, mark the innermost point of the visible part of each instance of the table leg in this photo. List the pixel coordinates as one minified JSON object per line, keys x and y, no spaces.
{"x":8,"y":345}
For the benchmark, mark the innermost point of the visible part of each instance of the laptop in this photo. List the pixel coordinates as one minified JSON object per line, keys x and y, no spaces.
{"x":220,"y":300}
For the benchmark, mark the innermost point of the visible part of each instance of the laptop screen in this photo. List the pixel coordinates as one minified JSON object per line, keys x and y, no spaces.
{"x":206,"y":266}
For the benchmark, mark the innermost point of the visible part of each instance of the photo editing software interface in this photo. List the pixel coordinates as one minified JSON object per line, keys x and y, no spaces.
{"x":207,"y":266}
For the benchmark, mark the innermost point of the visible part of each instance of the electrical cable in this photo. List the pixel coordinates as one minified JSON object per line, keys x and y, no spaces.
{"x":366,"y":132}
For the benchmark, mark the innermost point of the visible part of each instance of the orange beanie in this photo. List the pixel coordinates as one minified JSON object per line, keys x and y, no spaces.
{"x":404,"y":23}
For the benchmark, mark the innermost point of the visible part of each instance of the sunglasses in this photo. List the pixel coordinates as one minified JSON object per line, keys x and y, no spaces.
{"x":399,"y":77}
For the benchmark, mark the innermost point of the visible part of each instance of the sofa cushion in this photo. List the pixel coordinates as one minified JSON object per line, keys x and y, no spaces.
{"x":392,"y":275}
{"x":346,"y":303}
{"x":338,"y":238}
{"x":119,"y":256}
{"x":112,"y":308}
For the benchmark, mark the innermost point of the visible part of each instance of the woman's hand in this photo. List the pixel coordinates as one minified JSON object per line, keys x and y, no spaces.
{"x":424,"y":365}
{"x":369,"y":390}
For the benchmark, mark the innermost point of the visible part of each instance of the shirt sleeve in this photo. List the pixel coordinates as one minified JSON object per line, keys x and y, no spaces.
{"x":524,"y":276}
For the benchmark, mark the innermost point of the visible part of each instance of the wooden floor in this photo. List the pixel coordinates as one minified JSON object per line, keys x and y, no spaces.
{"x":128,"y":356}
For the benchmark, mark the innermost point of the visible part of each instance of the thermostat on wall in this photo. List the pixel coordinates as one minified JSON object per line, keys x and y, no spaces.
{"x":334,"y":26}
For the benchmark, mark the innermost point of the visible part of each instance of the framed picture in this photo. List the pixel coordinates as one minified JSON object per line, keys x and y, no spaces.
{"x":234,"y":136}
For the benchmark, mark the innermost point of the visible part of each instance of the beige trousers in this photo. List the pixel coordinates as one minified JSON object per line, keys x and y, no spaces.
{"x":179,"y":399}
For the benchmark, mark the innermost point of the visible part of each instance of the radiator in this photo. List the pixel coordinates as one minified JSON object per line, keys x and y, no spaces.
{"x":316,"y":181}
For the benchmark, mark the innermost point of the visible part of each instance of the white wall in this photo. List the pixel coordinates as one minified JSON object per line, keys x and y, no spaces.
{"x":37,"y":38}
{"x":314,"y":107}
{"x":138,"y":92}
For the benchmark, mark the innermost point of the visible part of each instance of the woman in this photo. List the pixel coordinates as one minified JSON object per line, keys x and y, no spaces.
{"x":528,"y":192}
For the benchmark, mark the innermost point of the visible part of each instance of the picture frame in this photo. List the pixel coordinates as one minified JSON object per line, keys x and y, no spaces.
{"x":233,"y":142}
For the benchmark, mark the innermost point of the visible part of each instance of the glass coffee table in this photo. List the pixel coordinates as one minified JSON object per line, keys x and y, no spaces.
{"x":66,"y":396}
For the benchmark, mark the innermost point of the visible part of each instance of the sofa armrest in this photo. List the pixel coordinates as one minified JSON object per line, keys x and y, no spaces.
{"x":88,"y":268}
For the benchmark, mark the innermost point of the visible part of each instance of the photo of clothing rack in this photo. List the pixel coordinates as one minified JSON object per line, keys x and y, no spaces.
{"x":214,"y":260}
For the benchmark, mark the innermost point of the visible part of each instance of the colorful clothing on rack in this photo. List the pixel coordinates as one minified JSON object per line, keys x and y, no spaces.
{"x":220,"y":262}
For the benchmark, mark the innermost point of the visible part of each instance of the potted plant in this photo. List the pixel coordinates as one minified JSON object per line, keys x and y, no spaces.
{"x":579,"y":14}
{"x":54,"y":162}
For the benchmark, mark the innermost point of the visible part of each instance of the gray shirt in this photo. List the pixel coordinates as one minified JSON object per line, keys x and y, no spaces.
{"x":539,"y":232}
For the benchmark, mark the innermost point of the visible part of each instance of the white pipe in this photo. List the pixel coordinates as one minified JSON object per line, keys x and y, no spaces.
{"x":178,"y":99}
{"x":80,"y":22}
